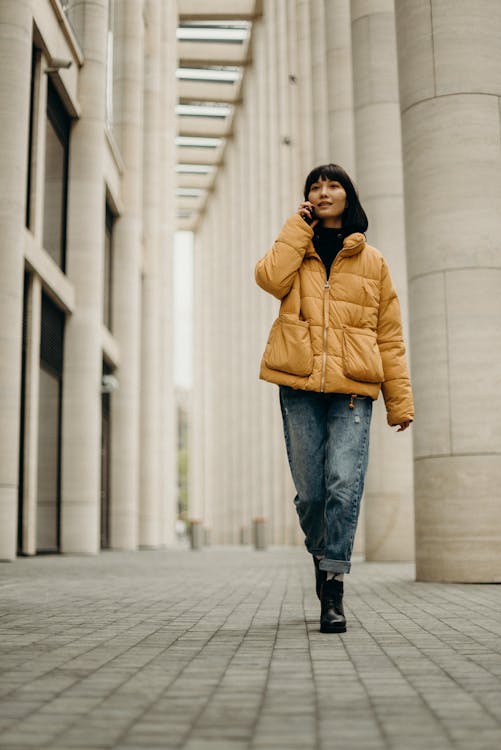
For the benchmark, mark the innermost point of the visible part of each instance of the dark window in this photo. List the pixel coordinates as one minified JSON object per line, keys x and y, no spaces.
{"x":56,"y":177}
{"x":49,"y":428}
{"x":51,"y":344}
{"x":105,"y":464}
{"x":108,"y":270}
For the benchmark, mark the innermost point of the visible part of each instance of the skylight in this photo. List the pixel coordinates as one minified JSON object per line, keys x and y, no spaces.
{"x":194,"y":168}
{"x":196,"y":142}
{"x":220,"y":75}
{"x":190,"y":192}
{"x":204,"y":110}
{"x":204,"y":34}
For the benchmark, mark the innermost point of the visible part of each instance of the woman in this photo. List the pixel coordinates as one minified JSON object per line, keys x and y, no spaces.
{"x":336,"y":344}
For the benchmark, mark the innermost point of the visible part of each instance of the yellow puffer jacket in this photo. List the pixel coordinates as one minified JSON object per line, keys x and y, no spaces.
{"x":354,"y":318}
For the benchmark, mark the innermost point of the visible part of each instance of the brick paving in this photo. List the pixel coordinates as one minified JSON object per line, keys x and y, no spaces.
{"x":220,"y":650}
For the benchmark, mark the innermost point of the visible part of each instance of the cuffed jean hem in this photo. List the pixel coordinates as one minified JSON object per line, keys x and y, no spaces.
{"x":335,"y":566}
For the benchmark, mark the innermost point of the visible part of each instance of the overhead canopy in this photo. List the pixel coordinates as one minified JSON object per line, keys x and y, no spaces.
{"x":213,"y":51}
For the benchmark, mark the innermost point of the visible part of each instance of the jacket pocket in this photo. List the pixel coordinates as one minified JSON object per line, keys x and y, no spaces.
{"x":361,"y":356}
{"x":289,"y":346}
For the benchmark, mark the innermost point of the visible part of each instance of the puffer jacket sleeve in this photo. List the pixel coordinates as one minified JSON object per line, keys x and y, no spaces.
{"x":396,"y":387}
{"x":276,"y":271}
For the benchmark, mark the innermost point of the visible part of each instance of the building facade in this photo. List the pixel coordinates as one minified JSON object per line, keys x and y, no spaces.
{"x":114,"y":112}
{"x":381,"y":87}
{"x":87,"y":155}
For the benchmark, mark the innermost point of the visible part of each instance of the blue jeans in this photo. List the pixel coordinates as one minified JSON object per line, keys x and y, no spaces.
{"x":328,"y":449}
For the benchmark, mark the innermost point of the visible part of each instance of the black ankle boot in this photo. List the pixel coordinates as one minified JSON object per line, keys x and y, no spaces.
{"x":320,"y":576}
{"x":332,"y":619}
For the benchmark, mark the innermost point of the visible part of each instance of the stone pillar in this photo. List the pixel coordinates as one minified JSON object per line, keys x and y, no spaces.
{"x":223,"y":313}
{"x":254,"y":303}
{"x":151,"y":343}
{"x":168,"y":438}
{"x":318,"y":83}
{"x":265,"y":313}
{"x":340,"y":84}
{"x":293,"y":96}
{"x":210,"y":375}
{"x":126,"y":291}
{"x":81,"y":413}
{"x":237,"y":342}
{"x":15,"y":70}
{"x":33,"y":306}
{"x":452,"y":168}
{"x":305,"y":86}
{"x":197,"y":439}
{"x":231,"y":339}
{"x":243,"y":277}
{"x":389,"y":532}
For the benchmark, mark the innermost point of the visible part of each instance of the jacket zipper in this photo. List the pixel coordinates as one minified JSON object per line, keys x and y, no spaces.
{"x":326,"y":325}
{"x":326,"y":318}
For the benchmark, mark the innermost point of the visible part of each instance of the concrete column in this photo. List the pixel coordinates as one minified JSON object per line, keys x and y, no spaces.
{"x":236,"y":352}
{"x":293,"y":95}
{"x":244,"y":278}
{"x":223,"y":308}
{"x":288,"y":189}
{"x":167,"y":410}
{"x":318,"y":83}
{"x":81,"y":420}
{"x":207,"y":380}
{"x":151,"y":343}
{"x":389,"y":532}
{"x":126,"y":292}
{"x":197,"y":441}
{"x":305,"y":86}
{"x":254,"y":249}
{"x":210,"y":374}
{"x":264,"y":316}
{"x":452,"y":168}
{"x":33,"y":305}
{"x":231,"y":339}
{"x":338,"y":60}
{"x":15,"y":71}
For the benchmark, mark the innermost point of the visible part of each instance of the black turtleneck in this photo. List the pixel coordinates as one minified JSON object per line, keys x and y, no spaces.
{"x":327,"y":243}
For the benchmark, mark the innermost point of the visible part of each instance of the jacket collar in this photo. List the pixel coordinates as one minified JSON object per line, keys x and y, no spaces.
{"x":352,"y":245}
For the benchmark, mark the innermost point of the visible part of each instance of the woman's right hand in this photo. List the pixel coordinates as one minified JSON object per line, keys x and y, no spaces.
{"x":306,"y":211}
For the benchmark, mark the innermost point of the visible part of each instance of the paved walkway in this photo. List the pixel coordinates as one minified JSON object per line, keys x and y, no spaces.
{"x":220,"y":650}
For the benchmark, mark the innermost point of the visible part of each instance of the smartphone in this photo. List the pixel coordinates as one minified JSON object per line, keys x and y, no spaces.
{"x":313,"y":216}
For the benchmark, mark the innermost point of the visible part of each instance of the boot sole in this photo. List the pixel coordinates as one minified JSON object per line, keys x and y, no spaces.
{"x":333,"y":628}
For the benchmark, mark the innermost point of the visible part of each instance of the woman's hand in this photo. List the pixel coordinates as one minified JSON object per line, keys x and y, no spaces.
{"x":402,"y":426}
{"x":306,"y":211}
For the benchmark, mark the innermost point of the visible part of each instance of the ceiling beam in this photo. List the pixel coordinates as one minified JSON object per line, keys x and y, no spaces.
{"x":219,"y":10}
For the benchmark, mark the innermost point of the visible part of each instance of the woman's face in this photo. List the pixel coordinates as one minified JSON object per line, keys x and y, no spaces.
{"x":329,"y":199}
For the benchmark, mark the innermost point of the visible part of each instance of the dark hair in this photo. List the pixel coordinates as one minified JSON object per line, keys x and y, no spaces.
{"x":354,"y":218}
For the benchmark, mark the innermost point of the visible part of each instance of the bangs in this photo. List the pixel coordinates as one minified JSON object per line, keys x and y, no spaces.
{"x":327,"y":172}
